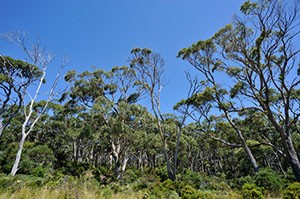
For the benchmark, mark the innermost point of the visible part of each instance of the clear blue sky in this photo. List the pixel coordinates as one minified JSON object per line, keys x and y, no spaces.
{"x":102,"y":33}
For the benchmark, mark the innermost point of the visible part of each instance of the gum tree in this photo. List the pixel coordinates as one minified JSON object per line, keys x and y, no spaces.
{"x":30,"y":77}
{"x":256,"y":56}
{"x":150,"y":68}
{"x":107,"y":104}
{"x":15,"y":77}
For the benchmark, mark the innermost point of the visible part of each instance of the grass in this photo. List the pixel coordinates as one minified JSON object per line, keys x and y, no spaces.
{"x":140,"y":187}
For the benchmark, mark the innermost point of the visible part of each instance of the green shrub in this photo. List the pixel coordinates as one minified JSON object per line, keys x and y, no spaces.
{"x":292,"y":191}
{"x":251,"y":191}
{"x":203,"y":181}
{"x":33,"y":156}
{"x":159,"y":191}
{"x":188,"y":192}
{"x":77,"y":168}
{"x":168,"y":184}
{"x":207,"y":195}
{"x":6,"y":181}
{"x":162,"y":173}
{"x":139,"y":186}
{"x":130,"y":175}
{"x":103,"y":174}
{"x":244,"y":180}
{"x":268,"y":180}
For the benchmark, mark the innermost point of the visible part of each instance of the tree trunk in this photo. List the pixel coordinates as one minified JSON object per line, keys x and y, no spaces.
{"x":243,"y":141}
{"x":124,"y":164}
{"x":288,"y":146}
{"x":1,"y":127}
{"x":250,"y":156}
{"x":118,"y":169}
{"x":293,"y":158}
{"x":74,"y":151}
{"x":169,"y":169}
{"x":18,"y":156}
{"x":176,"y":152}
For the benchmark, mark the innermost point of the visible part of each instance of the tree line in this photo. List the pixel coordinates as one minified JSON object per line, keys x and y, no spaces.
{"x":240,"y":113}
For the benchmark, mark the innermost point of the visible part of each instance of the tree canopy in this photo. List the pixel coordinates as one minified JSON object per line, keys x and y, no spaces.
{"x":239,"y":118}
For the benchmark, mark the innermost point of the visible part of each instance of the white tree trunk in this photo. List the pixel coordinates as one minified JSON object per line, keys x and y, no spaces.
{"x":124,"y":163}
{"x":15,"y":167}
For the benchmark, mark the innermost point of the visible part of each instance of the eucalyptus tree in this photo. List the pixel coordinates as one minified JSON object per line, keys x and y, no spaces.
{"x":256,"y":57}
{"x":29,"y":79}
{"x":107,"y":100}
{"x":15,"y":77}
{"x":150,"y":69}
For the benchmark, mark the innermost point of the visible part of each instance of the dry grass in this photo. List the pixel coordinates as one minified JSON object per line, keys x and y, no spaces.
{"x":27,"y":193}
{"x":75,"y":193}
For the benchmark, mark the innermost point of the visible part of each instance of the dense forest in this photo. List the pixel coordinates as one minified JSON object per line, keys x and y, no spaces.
{"x":234,"y":134}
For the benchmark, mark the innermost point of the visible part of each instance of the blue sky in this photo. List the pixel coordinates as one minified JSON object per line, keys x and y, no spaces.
{"x":102,"y":33}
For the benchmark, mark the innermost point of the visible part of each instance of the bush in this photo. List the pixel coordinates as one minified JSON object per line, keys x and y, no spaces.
{"x":162,"y":173}
{"x":188,"y":192}
{"x":168,"y":184}
{"x":203,"y":181}
{"x":130,"y":175}
{"x":292,"y":191}
{"x":268,"y":180}
{"x":77,"y":168}
{"x":252,"y":191}
{"x":103,"y":174}
{"x":33,"y":156}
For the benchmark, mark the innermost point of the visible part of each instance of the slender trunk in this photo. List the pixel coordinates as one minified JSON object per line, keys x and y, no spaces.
{"x":74,"y":151}
{"x":154,"y":161}
{"x":250,"y":156}
{"x":176,"y":152}
{"x":118,"y":169}
{"x":110,"y":162}
{"x":125,"y":161}
{"x":169,"y":170}
{"x":91,"y":155}
{"x":279,"y":164}
{"x":140,"y":161}
{"x":243,"y":142}
{"x":15,"y":167}
{"x":165,"y":151}
{"x":1,"y":127}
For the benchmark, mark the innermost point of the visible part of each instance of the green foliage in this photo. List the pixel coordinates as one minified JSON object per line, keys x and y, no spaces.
{"x":130,"y":176}
{"x":36,"y":159}
{"x":18,"y":68}
{"x":99,"y":120}
{"x":251,"y":191}
{"x":162,"y":173}
{"x":268,"y":180}
{"x":199,"y":99}
{"x":292,"y":191}
{"x":188,"y":192}
{"x":206,"y":46}
{"x":201,"y":181}
{"x":77,"y":168}
{"x":236,"y":89}
{"x":249,"y":7}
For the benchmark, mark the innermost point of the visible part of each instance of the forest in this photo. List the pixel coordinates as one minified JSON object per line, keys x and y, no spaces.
{"x":102,"y":134}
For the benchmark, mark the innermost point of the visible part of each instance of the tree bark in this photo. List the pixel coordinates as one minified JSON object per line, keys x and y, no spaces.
{"x":1,"y":127}
{"x":243,"y":141}
{"x":293,"y":158}
{"x":15,"y":167}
